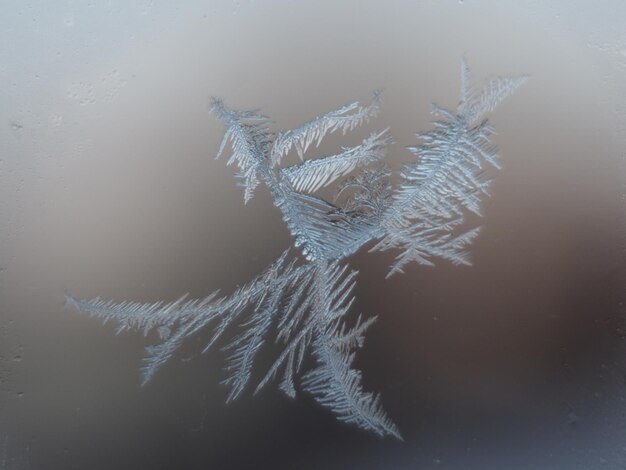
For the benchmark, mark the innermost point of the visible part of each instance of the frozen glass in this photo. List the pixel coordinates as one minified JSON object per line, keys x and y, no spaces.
{"x":110,"y":188}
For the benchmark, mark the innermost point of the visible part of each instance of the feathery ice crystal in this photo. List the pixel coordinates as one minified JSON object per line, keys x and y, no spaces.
{"x":305,"y":301}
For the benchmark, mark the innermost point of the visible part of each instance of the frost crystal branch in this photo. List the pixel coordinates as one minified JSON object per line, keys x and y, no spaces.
{"x":304,"y":302}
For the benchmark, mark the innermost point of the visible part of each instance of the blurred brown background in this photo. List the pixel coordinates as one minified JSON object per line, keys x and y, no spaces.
{"x":110,"y":188}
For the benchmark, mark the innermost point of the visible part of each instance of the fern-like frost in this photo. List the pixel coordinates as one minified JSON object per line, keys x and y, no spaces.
{"x":304,"y":305}
{"x":447,"y":180}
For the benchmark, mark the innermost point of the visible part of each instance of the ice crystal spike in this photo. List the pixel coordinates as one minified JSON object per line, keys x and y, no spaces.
{"x":315,"y":174}
{"x":345,"y":119}
{"x":447,"y":180}
{"x":301,"y":303}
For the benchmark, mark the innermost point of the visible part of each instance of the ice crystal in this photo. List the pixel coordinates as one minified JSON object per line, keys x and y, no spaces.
{"x":304,"y":302}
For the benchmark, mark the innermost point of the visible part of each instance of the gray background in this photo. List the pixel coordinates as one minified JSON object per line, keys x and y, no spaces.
{"x":109,"y":187}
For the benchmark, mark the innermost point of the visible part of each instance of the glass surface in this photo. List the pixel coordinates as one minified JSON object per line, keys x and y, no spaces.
{"x":109,"y":187}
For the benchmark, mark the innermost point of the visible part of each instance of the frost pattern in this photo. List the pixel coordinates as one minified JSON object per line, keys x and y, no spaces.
{"x":304,"y":302}
{"x":447,"y":180}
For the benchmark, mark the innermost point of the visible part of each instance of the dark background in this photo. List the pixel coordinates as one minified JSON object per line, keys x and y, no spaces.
{"x":110,"y":188}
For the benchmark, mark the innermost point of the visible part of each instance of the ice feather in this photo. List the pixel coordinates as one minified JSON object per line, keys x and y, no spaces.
{"x":344,"y":119}
{"x":447,"y":180}
{"x":312,"y":175}
{"x":304,"y":304}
